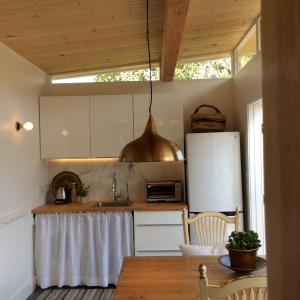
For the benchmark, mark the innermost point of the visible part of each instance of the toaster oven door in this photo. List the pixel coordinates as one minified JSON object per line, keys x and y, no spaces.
{"x":160,"y":192}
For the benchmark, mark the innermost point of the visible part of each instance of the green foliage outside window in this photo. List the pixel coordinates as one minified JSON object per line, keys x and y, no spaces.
{"x":204,"y":70}
{"x":201,"y":70}
{"x":138,"y":75}
{"x":243,"y":60}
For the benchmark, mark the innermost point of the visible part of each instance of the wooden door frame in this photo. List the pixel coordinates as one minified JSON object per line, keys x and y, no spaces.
{"x":281,"y":106}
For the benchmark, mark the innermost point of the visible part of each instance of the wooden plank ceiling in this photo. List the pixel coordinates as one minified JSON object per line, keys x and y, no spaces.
{"x":63,"y":37}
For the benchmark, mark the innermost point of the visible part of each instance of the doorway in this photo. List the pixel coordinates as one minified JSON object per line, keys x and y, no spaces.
{"x":255,"y":169}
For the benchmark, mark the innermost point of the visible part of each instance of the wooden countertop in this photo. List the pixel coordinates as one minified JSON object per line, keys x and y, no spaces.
{"x":86,"y":207}
{"x":170,"y":277}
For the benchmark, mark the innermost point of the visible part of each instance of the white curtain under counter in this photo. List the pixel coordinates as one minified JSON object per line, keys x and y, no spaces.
{"x":82,"y":248}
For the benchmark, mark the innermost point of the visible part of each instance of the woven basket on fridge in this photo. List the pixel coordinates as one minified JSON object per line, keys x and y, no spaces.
{"x":207,"y":122}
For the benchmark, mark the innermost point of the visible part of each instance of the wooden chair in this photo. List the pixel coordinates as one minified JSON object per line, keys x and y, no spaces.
{"x":252,"y":287}
{"x":211,"y":227}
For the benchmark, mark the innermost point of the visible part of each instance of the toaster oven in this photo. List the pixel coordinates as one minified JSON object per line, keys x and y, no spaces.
{"x":164,"y":191}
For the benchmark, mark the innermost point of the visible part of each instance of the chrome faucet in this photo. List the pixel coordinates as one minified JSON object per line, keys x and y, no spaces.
{"x":115,"y":189}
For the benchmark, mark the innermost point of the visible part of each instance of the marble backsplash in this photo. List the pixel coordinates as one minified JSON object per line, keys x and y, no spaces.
{"x":98,"y":174}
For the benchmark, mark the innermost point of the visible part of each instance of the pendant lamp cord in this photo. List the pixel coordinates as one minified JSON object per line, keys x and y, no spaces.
{"x":149,"y":57}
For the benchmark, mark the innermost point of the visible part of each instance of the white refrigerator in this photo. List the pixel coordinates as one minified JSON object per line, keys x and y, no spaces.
{"x":213,"y":173}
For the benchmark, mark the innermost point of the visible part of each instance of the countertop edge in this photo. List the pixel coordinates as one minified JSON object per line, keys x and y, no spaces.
{"x":86,"y":207}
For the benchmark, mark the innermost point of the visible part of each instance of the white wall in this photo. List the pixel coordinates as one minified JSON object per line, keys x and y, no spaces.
{"x":21,"y":171}
{"x":247,"y":87}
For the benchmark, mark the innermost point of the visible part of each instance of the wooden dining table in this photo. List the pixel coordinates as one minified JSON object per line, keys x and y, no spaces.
{"x":170,"y":277}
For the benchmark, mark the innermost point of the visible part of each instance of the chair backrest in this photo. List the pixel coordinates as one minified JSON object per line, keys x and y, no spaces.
{"x":211,"y":227}
{"x":251,"y":287}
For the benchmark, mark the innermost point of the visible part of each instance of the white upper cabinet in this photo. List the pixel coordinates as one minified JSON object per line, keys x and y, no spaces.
{"x":111,"y":123}
{"x":167,"y":112}
{"x":64,"y":127}
{"x":100,"y":126}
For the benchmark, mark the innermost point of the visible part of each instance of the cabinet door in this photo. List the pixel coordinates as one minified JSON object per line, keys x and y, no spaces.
{"x":158,"y":239}
{"x":64,"y":127}
{"x":111,"y":123}
{"x":158,"y":233}
{"x":167,"y":112}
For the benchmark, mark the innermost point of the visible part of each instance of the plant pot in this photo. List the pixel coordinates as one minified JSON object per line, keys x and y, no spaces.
{"x":84,"y":199}
{"x":242,"y":259}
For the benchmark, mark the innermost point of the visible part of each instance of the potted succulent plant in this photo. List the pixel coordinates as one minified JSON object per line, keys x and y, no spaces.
{"x":242,"y":249}
{"x":84,"y":193}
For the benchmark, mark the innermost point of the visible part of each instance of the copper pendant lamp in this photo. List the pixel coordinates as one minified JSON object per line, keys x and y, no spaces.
{"x":150,"y":146}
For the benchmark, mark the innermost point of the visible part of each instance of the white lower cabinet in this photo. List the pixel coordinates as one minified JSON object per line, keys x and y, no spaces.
{"x":158,"y":233}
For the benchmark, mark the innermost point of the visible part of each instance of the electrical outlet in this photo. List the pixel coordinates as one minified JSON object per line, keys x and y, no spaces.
{"x":43,"y":190}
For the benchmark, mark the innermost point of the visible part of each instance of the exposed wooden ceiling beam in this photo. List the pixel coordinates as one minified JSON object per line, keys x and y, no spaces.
{"x":175,"y":17}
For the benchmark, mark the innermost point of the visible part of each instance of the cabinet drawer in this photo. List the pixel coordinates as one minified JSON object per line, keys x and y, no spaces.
{"x":158,"y":217}
{"x":159,"y":237}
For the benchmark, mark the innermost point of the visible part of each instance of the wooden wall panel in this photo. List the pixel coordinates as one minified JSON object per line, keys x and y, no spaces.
{"x":281,"y":106}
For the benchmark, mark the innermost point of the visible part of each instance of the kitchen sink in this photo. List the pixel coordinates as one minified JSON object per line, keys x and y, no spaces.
{"x":112,"y":204}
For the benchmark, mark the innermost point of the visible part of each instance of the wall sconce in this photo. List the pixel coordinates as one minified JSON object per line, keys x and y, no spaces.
{"x":27,"y":126}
